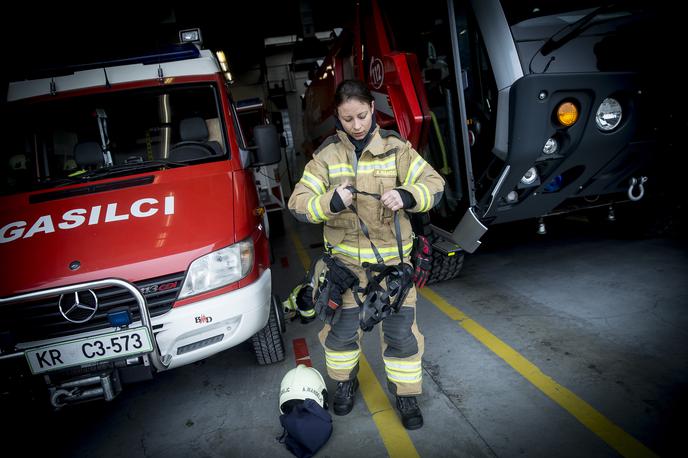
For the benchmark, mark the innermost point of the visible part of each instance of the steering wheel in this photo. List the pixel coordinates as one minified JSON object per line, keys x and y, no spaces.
{"x":191,"y":149}
{"x":194,"y":143}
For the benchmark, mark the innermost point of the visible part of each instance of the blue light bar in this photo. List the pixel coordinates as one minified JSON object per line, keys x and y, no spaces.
{"x":170,"y":53}
{"x":119,"y":318}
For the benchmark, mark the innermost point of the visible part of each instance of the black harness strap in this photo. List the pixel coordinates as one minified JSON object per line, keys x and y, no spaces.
{"x":380,"y":302}
{"x":365,"y":231}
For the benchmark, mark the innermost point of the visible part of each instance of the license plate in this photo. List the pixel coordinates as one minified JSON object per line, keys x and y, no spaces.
{"x":89,"y":350}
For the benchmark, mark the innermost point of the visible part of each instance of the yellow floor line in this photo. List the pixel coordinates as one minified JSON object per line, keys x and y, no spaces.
{"x":617,"y":438}
{"x":396,"y":439}
{"x":300,"y":251}
{"x":394,"y":436}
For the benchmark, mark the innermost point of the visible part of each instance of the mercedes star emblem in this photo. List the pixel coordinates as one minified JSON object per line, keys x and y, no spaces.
{"x":78,"y":307}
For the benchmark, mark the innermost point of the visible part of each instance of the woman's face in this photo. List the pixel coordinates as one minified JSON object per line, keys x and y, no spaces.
{"x":356,"y":117}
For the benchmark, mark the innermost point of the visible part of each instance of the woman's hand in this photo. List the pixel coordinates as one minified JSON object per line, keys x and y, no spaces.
{"x":392,"y":200}
{"x":344,"y":194}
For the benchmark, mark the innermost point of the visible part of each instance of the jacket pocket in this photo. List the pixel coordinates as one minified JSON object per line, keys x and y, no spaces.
{"x":334,"y":235}
{"x":335,"y":229}
{"x":385,"y":182}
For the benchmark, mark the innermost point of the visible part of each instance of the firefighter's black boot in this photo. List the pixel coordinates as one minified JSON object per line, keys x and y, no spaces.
{"x":344,"y":397}
{"x":408,"y":408}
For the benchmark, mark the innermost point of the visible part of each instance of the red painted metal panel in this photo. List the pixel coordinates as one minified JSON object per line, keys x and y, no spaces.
{"x":132,"y":233}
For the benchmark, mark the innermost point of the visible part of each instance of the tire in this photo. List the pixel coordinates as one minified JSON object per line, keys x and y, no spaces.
{"x":444,"y":267}
{"x":279,"y":313}
{"x":268,"y":345}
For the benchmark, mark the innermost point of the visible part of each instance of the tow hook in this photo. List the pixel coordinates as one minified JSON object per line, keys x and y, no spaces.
{"x":636,"y":183}
{"x":104,"y":386}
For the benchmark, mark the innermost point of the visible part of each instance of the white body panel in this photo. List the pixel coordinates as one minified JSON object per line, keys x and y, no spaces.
{"x":206,"y":64}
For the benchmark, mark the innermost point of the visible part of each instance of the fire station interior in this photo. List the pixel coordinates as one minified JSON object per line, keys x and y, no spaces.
{"x":559,"y":337}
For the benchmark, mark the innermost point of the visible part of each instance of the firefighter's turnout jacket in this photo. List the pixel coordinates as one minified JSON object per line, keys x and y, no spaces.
{"x":386,"y":162}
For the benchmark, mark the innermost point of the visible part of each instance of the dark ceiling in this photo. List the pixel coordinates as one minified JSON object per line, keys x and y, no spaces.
{"x":45,"y":38}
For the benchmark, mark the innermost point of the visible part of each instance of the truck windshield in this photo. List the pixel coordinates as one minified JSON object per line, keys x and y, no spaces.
{"x":520,"y":10}
{"x":56,"y":142}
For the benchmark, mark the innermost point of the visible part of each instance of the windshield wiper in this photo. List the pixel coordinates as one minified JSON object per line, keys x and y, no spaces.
{"x":560,"y":38}
{"x":114,"y":171}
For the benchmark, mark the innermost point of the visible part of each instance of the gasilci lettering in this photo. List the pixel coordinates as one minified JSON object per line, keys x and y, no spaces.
{"x":76,"y":217}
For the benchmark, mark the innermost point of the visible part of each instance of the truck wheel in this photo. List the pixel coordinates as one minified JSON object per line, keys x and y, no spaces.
{"x":444,"y":267}
{"x":268,"y":344}
{"x":447,"y":261}
{"x":279,"y":312}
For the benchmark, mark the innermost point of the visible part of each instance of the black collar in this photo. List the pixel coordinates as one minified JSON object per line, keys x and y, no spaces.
{"x":359,"y":145}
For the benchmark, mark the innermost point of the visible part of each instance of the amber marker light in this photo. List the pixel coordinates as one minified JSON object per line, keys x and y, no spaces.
{"x":567,"y":114}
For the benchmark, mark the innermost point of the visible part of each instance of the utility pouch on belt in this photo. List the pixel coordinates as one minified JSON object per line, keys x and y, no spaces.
{"x":338,"y":278}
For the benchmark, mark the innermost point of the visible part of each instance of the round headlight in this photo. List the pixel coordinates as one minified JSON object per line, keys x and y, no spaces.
{"x":551,"y":146}
{"x":530,"y":176}
{"x":608,"y":115}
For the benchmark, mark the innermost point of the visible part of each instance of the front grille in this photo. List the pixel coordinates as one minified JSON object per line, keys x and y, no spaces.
{"x":41,"y":318}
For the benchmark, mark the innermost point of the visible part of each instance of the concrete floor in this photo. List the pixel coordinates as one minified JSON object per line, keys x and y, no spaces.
{"x":601,"y":316}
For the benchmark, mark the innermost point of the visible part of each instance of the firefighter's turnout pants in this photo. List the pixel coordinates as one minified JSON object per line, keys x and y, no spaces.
{"x":402,"y":343}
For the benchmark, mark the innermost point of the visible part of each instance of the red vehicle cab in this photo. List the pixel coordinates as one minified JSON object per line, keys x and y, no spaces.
{"x":132,"y":237}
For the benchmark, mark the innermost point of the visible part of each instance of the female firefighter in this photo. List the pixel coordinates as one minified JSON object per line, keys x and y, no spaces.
{"x":358,"y":184}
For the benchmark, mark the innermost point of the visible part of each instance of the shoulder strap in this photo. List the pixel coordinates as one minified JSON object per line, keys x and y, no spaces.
{"x":364,"y":228}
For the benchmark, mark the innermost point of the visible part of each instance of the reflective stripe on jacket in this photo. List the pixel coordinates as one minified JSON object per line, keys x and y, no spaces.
{"x":387,"y":162}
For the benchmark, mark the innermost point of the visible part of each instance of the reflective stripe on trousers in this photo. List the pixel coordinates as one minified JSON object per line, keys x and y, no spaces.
{"x":342,"y":344}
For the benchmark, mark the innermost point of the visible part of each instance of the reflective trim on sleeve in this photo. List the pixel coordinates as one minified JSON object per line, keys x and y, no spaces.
{"x":425,"y":200}
{"x":415,"y":170}
{"x":315,"y":209}
{"x":313,"y":183}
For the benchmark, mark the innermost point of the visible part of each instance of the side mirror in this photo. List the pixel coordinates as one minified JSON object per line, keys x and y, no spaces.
{"x":268,"y":149}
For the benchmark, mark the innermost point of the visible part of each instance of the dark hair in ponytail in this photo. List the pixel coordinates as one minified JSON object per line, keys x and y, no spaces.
{"x":352,"y":89}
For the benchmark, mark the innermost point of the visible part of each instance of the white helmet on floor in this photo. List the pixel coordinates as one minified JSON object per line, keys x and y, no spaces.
{"x":302,"y":383}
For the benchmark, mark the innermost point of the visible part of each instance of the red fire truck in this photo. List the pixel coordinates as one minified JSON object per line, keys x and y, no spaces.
{"x":132,"y":236}
{"x":529,"y":109}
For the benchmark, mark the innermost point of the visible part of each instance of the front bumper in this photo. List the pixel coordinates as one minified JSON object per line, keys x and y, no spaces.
{"x":201,"y":329}
{"x":185,"y":334}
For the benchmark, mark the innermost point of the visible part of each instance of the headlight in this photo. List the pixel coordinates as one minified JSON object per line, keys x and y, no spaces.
{"x":551,"y":146}
{"x":608,"y":114}
{"x":218,"y":268}
{"x":530,"y":176}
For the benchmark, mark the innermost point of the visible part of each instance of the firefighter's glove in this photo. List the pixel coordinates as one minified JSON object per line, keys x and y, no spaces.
{"x":422,"y":261}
